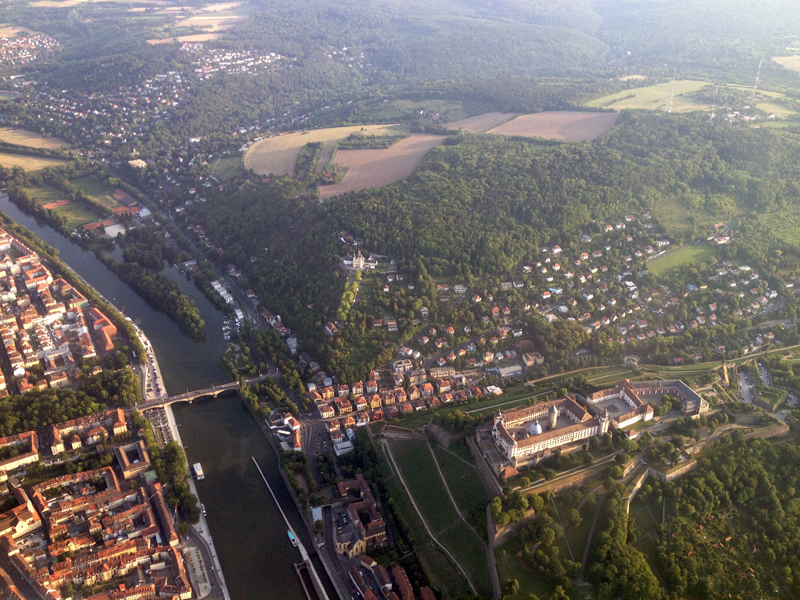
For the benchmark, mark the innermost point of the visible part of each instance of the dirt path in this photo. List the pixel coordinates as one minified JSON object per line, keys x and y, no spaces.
{"x":388,"y":452}
{"x":493,"y":572}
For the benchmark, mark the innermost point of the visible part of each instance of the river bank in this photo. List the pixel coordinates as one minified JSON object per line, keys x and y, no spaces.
{"x":251,"y":544}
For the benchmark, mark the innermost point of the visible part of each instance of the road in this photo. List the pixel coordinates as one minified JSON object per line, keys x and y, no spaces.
{"x":341,"y":581}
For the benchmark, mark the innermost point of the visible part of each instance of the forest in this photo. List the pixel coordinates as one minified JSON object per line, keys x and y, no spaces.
{"x":478,"y":205}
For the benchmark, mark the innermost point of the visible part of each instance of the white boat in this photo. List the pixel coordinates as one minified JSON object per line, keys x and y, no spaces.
{"x":198,"y":471}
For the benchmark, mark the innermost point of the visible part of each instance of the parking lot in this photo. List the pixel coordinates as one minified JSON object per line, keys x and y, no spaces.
{"x":746,"y":386}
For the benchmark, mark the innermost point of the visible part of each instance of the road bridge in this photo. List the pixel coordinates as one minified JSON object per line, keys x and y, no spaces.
{"x":213,"y":391}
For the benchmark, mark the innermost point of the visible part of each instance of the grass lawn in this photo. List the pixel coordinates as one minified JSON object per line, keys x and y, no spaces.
{"x":771,"y":395}
{"x":578,"y":535}
{"x":655,"y":97}
{"x":512,"y":565}
{"x":226,"y":168}
{"x":76,"y":214}
{"x":96,"y":190}
{"x":44,"y":194}
{"x":28,"y":163}
{"x":640,"y":426}
{"x":689,"y":255}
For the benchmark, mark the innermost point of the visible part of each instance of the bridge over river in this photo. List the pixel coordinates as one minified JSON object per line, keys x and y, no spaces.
{"x":213,"y":391}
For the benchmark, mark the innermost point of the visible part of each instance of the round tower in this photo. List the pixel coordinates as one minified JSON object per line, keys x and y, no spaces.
{"x":552,"y":417}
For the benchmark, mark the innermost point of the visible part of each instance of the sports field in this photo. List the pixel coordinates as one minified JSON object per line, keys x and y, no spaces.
{"x":480,"y":123}
{"x":97,"y":191}
{"x":29,"y":163}
{"x":559,"y":125}
{"x":654,"y":97}
{"x":376,"y":168}
{"x":688,"y":255}
{"x":278,"y":155}
{"x":23,"y":137}
{"x":76,"y":213}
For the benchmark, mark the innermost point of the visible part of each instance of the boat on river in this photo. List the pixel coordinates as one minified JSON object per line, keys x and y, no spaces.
{"x":292,"y":538}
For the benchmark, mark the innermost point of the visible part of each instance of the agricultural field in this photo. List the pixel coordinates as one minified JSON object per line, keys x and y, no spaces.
{"x":278,"y":155}
{"x":480,"y":123}
{"x":8,"y":30}
{"x":788,"y":62}
{"x":376,"y":168}
{"x":654,"y":97}
{"x":217,"y":17}
{"x":97,"y":191}
{"x":688,"y":255}
{"x":28,"y":163}
{"x":785,"y":225}
{"x":421,"y":476}
{"x":463,"y":480}
{"x":196,"y":37}
{"x":437,"y":566}
{"x":22,"y":137}
{"x":573,"y":126}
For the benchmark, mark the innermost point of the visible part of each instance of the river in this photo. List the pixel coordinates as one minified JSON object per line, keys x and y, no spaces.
{"x":249,"y":533}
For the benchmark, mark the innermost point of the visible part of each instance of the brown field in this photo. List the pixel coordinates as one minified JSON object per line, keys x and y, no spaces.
{"x":211,"y":23}
{"x":23,"y":137}
{"x":225,"y":6}
{"x":278,"y":155}
{"x":559,"y":125}
{"x":376,"y":168}
{"x":790,"y":62}
{"x":29,"y":163}
{"x":480,"y":123}
{"x":7,"y":30}
{"x":197,"y":37}
{"x":217,"y":17}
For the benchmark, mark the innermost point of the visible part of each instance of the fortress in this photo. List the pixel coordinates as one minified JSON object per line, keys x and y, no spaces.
{"x":528,"y":435}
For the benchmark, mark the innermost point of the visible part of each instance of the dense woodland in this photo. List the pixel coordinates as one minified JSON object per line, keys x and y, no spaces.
{"x":480,"y":205}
